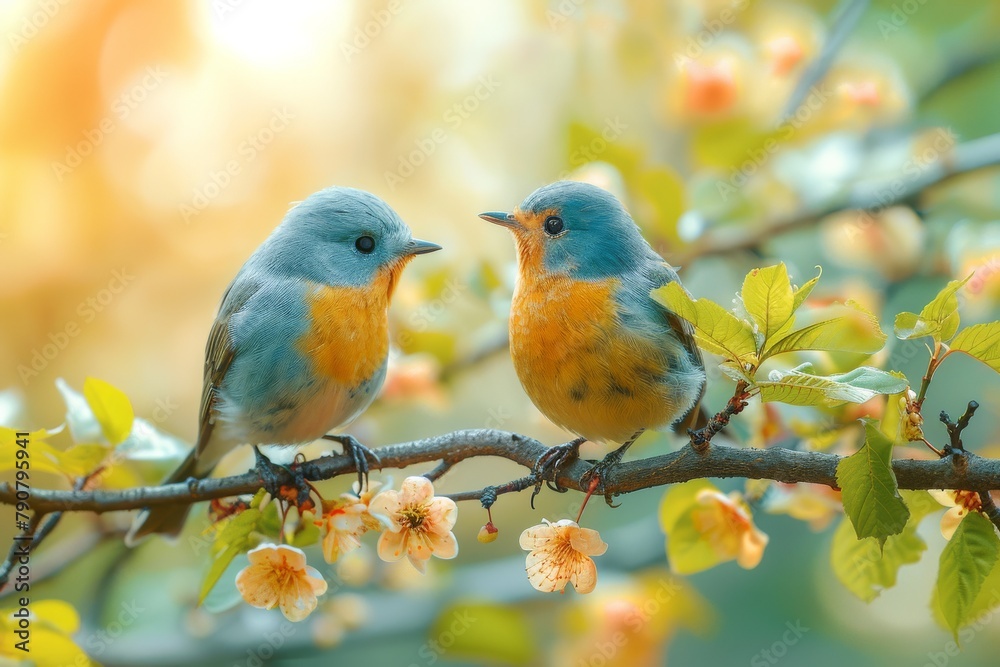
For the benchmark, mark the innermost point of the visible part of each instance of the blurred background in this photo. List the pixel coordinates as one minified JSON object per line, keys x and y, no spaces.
{"x":146,"y":149}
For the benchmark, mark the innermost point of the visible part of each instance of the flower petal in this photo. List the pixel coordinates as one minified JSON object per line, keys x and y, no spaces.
{"x":385,"y":506}
{"x":257,"y":586}
{"x":587,"y":541}
{"x":751,"y":549}
{"x":536,"y":537}
{"x":950,"y":521}
{"x":391,"y":545}
{"x":444,"y":546}
{"x":416,"y":490}
{"x":443,"y":513}
{"x":943,"y":496}
{"x":584,"y":574}
{"x":545,"y":572}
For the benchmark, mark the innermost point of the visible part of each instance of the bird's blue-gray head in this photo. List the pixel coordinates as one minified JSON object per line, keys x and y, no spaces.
{"x":576,"y":229}
{"x":341,"y":236}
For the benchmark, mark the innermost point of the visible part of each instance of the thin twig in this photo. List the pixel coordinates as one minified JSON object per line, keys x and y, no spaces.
{"x":441,"y":469}
{"x":964,"y":158}
{"x":955,"y":428}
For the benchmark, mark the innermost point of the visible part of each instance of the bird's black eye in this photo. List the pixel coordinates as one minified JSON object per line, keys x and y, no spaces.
{"x":365,"y":244}
{"x":553,"y":225}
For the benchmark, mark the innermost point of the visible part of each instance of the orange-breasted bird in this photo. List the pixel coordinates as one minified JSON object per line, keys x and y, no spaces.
{"x":592,"y":349}
{"x":300,"y":343}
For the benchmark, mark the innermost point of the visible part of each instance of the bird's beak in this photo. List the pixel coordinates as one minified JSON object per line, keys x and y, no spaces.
{"x":499,"y":218}
{"x":418,"y":247}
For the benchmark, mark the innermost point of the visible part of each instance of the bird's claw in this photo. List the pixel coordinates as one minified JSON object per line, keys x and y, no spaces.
{"x":600,"y":472}
{"x":273,"y":476}
{"x":359,"y":454}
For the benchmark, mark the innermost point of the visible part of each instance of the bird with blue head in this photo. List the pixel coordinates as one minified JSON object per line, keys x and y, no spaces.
{"x":300,"y":343}
{"x":594,"y":352}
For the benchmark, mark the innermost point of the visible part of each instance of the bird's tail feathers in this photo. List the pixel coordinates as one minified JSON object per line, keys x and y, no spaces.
{"x":167,"y":520}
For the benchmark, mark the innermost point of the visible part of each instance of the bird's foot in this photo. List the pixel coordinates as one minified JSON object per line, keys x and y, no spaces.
{"x":551,"y":462}
{"x":597,"y":475}
{"x":360,"y":454}
{"x":273,"y":476}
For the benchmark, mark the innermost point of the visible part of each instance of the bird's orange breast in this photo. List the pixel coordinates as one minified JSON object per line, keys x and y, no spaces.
{"x":579,"y":365}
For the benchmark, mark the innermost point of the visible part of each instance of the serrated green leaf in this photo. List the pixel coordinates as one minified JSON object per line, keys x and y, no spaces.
{"x":767,"y":297}
{"x":802,"y":293}
{"x":111,"y":408}
{"x":966,"y":561}
{"x":980,"y":341}
{"x":939,"y":319}
{"x":869,"y":490}
{"x":483,"y":632}
{"x":849,"y":328}
{"x":865,"y":569}
{"x":857,"y":386}
{"x":716,"y":329}
{"x":233,"y":539}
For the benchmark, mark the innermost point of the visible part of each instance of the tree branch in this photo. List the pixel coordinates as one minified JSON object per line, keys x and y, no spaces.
{"x":964,"y":158}
{"x":779,"y":464}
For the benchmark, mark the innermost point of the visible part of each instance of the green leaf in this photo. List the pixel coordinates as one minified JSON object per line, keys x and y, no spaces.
{"x":966,"y":561}
{"x":111,"y":408}
{"x":482,"y":632}
{"x":802,"y":293}
{"x":716,"y":329}
{"x":939,"y":319}
{"x":980,"y":341}
{"x":767,"y":297}
{"x":231,"y":540}
{"x":81,"y":460}
{"x":868,"y":488}
{"x":42,"y":455}
{"x":849,"y":328}
{"x":865,"y":569}
{"x":857,"y":386}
